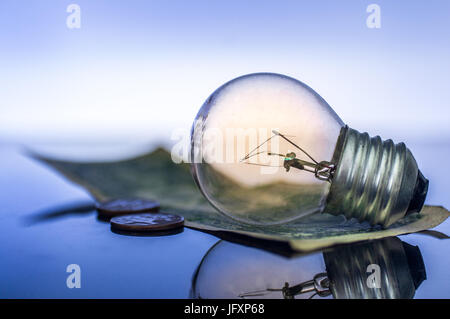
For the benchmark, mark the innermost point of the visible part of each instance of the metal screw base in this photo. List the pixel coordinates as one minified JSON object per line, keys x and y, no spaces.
{"x":375,"y":181}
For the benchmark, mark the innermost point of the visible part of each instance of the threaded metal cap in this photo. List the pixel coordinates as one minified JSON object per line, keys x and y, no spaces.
{"x":401,"y":269}
{"x":375,"y":181}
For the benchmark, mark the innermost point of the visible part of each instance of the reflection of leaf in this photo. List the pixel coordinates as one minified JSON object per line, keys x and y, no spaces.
{"x":156,"y":176}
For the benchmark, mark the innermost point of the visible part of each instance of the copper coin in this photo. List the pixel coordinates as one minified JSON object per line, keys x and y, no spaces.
{"x":147,"y":222}
{"x":118,"y":207}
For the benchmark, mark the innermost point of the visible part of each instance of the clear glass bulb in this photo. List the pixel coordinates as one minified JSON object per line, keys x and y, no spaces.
{"x":261,"y":149}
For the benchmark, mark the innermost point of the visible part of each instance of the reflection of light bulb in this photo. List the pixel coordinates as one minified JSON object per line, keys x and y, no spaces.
{"x":233,"y":271}
{"x":384,"y":268}
{"x":267,"y":149}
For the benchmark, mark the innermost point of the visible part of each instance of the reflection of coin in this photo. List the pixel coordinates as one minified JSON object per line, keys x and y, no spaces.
{"x":117,"y":207}
{"x":147,"y":222}
{"x":156,"y":233}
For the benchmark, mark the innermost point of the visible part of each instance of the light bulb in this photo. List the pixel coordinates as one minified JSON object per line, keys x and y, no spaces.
{"x":266,"y":149}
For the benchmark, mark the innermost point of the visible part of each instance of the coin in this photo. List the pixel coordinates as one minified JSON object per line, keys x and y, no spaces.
{"x":118,"y":207}
{"x":147,"y":222}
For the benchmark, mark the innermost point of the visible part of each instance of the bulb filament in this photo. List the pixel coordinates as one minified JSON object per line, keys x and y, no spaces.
{"x":322,"y":170}
{"x":319,"y":285}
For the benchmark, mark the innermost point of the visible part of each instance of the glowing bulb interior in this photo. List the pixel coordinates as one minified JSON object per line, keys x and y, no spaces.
{"x":240,"y":116}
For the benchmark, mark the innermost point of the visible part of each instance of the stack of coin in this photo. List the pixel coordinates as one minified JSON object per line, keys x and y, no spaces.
{"x":129,"y":216}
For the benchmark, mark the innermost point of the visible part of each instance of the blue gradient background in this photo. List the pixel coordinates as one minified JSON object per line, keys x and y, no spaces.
{"x":137,"y":70}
